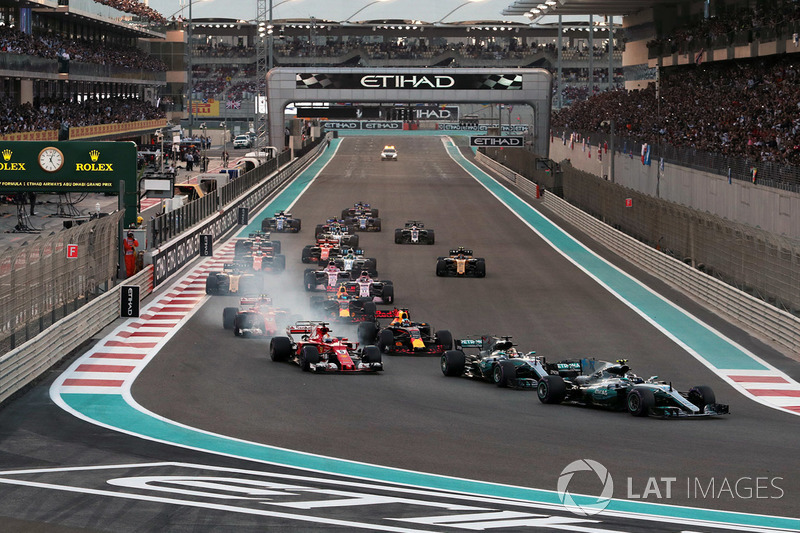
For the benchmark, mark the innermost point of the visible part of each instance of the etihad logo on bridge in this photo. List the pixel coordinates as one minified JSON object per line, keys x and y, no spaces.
{"x":94,"y":166}
{"x":7,"y":165}
{"x":400,"y":81}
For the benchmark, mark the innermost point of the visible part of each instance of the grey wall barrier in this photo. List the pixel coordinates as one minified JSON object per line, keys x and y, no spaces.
{"x":769,"y":321}
{"x":779,"y":326}
{"x":517,"y":179}
{"x":173,"y":255}
{"x":23,"y":365}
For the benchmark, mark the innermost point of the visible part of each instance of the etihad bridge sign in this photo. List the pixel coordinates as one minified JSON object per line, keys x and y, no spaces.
{"x":409,"y":88}
{"x":496,"y":82}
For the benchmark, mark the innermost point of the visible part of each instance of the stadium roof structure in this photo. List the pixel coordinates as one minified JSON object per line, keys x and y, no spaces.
{"x":521,"y":8}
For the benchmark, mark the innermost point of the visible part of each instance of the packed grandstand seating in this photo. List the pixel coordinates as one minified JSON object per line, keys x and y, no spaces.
{"x":53,"y":113}
{"x":744,"y":108}
{"x":54,"y":47}
{"x":703,"y":32}
{"x":134,"y":7}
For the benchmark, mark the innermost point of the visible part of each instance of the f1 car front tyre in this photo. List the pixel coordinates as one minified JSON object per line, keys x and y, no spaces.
{"x":279,"y":262}
{"x":640,"y":400}
{"x":398,"y":236}
{"x":372,"y":354}
{"x":431,"y":237}
{"x":453,"y":362}
{"x":309,"y":355}
{"x":444,"y":338}
{"x":306,"y":256}
{"x":229,"y":317}
{"x":441,"y":267}
{"x":551,"y":389}
{"x":702,"y":395}
{"x":388,"y":293}
{"x":280,"y":348}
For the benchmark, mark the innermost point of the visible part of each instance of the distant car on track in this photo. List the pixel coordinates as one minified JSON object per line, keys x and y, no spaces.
{"x":281,"y":222}
{"x":318,"y":351}
{"x":389,"y":153}
{"x":255,"y":317}
{"x":461,"y":263}
{"x":414,"y":232}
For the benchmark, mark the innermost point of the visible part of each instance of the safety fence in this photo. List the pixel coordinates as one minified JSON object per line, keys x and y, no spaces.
{"x":168,"y":226}
{"x":736,"y":243}
{"x":46,"y":279}
{"x":765,"y":173}
{"x":172,"y":256}
{"x":22,"y":365}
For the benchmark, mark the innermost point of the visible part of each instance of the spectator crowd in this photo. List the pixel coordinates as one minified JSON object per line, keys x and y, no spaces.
{"x":52,"y":46}
{"x":134,"y":7}
{"x":744,"y":108}
{"x":53,"y":113}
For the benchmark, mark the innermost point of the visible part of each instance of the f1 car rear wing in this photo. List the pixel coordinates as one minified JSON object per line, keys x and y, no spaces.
{"x":263,"y":235}
{"x":414,"y":223}
{"x":253,"y":300}
{"x":460,"y":250}
{"x":304,"y":327}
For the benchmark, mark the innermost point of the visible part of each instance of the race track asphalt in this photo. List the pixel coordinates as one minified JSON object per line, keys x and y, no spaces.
{"x":411,"y":416}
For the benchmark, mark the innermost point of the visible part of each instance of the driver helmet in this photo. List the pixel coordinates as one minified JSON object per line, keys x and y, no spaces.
{"x":364,"y":275}
{"x":327,"y":338}
{"x":332,"y":263}
{"x":405,"y":323}
{"x":512,"y":352}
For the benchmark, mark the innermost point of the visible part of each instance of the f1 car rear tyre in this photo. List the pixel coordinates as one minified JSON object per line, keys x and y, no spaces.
{"x":398,"y":236}
{"x":345,"y":213}
{"x":551,"y":389}
{"x":309,"y":355}
{"x":702,"y":395}
{"x":640,"y":400}
{"x":385,"y":340}
{"x":318,"y":231}
{"x":279,"y":262}
{"x":388,"y":293}
{"x":502,"y":373}
{"x":376,"y":224}
{"x":241,"y":247}
{"x":280,"y":348}
{"x":266,"y":224}
{"x":229,"y":317}
{"x":276,"y":247}
{"x":480,"y":268}
{"x":375,"y":213}
{"x":372,"y":354}
{"x":369,"y":309}
{"x":445,"y":338}
{"x":296,"y":224}
{"x":453,"y":362}
{"x":306,"y":257}
{"x":212,"y":283}
{"x":441,"y":267}
{"x":367,"y":332}
{"x":309,"y":280}
{"x":353,"y":242}
{"x":431,"y":237}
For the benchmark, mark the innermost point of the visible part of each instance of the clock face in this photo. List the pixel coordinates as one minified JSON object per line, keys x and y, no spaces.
{"x":51,"y":159}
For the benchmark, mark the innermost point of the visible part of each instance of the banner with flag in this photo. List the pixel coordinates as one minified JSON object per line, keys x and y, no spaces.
{"x":729,"y":175}
{"x":698,"y":59}
{"x":644,"y":150}
{"x":661,"y":164}
{"x":233,"y":104}
{"x":647,"y":156}
{"x":753,"y":173}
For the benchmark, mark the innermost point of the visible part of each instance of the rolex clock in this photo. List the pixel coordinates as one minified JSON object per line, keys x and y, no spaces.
{"x":51,"y":159}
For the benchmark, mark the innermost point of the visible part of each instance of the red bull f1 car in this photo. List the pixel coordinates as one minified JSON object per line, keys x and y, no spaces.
{"x":311,"y":346}
{"x":255,"y":317}
{"x":414,"y":232}
{"x":360,"y":208}
{"x":402,"y":336}
{"x":344,"y":307}
{"x":461,"y":263}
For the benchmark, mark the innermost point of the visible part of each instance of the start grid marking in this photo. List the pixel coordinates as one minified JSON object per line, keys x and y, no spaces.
{"x":113,"y":364}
